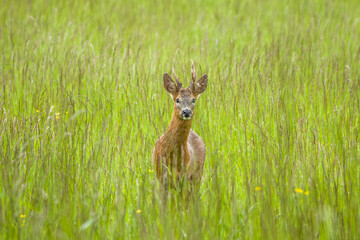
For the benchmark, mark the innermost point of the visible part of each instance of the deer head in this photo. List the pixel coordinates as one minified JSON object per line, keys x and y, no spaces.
{"x":185,"y":98}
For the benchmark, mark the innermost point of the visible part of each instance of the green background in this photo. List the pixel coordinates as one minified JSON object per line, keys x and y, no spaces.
{"x":82,"y":104}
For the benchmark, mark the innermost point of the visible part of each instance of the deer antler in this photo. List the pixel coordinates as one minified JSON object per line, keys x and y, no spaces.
{"x":191,"y":86}
{"x":178,"y":83}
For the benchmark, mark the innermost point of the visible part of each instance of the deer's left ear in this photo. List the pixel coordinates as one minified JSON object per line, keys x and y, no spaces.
{"x":169,"y":84}
{"x":201,"y":84}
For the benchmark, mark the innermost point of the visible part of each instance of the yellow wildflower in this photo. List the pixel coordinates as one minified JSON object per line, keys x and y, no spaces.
{"x":23,"y":219}
{"x":57,"y":115}
{"x":151,"y":171}
{"x":67,"y":113}
{"x":258,"y":188}
{"x":138,"y":211}
{"x":306,"y":193}
{"x":38,"y":111}
{"x":299,"y":190}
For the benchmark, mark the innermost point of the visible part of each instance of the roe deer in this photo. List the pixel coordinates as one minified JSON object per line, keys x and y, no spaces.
{"x":180,"y":152}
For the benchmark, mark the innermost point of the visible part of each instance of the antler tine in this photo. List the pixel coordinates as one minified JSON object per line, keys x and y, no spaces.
{"x":193,"y":75}
{"x":179,"y":84}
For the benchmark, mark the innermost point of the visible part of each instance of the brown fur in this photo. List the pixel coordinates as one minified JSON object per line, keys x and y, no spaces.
{"x":180,"y":152}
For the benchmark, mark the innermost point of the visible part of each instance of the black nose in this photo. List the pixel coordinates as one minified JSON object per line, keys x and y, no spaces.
{"x":187,"y":113}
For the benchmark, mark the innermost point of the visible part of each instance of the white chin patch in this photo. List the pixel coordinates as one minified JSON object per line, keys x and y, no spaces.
{"x":186,"y":118}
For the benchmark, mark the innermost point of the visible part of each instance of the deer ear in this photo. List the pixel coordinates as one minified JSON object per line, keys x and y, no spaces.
{"x":201,"y":84}
{"x":169,"y":84}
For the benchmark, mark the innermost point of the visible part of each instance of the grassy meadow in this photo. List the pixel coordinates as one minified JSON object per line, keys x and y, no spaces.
{"x":82,"y":104}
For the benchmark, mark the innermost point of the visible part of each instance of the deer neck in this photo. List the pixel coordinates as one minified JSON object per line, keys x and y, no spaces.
{"x":178,"y":131}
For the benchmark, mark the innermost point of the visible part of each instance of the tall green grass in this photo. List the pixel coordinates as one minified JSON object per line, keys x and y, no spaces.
{"x":82,"y":103}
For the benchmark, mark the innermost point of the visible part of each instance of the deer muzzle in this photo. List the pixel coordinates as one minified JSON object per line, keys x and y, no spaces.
{"x":186,"y":114}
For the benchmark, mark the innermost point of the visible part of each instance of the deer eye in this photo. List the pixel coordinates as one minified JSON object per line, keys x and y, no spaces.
{"x":193,"y":100}
{"x":177,"y":100}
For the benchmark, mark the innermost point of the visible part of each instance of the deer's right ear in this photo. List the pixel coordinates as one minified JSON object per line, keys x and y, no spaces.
{"x":169,"y":84}
{"x":201,"y":84}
